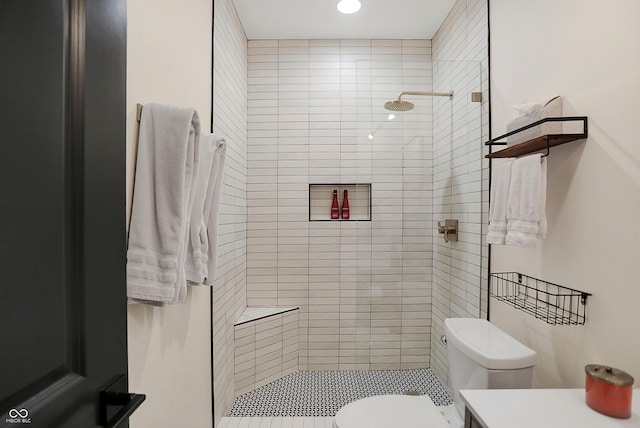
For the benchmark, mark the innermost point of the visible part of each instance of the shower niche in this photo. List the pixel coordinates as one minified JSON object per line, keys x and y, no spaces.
{"x":321,"y":201}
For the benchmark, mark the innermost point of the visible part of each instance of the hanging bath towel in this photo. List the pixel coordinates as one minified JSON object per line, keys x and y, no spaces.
{"x":526,"y":217}
{"x":166,"y":168}
{"x":212,"y":205}
{"x":500,"y":179}
{"x":200,"y":254}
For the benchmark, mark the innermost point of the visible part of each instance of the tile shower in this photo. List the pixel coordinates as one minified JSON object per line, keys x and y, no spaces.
{"x":316,"y":116}
{"x":372,"y":294}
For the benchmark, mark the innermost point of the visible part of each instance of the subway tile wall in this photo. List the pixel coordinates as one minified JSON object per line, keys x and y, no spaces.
{"x":363,"y":287}
{"x":230,"y":122}
{"x":296,"y":112}
{"x":460,"y":172}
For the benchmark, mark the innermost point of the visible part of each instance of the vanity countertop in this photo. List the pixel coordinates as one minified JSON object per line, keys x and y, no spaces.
{"x":549,"y":408}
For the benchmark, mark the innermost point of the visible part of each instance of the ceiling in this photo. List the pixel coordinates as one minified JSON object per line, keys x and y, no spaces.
{"x":319,"y":19}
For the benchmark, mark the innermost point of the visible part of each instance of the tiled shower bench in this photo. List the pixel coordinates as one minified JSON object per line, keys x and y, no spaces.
{"x":266,"y":346}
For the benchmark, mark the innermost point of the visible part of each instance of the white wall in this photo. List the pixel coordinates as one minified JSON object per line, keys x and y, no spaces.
{"x":586,"y":52}
{"x":169,"y":61}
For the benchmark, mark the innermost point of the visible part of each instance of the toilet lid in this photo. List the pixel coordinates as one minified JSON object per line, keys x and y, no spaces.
{"x":391,"y":411}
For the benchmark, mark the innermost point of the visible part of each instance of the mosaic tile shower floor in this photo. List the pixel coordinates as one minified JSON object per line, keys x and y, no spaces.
{"x":322,"y":393}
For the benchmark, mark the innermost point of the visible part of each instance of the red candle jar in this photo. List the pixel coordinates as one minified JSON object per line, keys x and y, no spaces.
{"x":608,"y":390}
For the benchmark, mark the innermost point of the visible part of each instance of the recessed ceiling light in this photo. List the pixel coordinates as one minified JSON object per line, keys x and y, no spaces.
{"x":348,"y":6}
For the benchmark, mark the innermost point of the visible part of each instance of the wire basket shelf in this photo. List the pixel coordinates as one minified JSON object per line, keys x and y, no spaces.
{"x":552,"y":303}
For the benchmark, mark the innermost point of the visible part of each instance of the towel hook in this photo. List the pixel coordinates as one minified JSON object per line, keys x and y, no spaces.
{"x":139,"y":112}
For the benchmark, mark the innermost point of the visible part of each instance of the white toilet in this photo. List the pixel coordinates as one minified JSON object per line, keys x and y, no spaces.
{"x":481,"y":356}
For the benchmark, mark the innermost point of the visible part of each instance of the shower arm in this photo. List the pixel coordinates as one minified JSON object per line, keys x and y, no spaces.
{"x":434,"y":94}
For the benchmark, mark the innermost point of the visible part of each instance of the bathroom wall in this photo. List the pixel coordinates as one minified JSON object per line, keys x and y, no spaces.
{"x":230,"y":122}
{"x":363,"y":288}
{"x":460,"y":180}
{"x":169,"y":348}
{"x":584,"y":51}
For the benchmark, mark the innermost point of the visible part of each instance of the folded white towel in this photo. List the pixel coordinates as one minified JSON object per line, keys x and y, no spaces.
{"x":212,"y":205}
{"x":500,"y":179}
{"x":167,"y":163}
{"x":526,"y":218}
{"x":209,"y":175}
{"x":528,"y":107}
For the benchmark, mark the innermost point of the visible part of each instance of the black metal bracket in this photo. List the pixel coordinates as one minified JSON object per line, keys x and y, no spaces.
{"x":534,"y":144}
{"x":583,"y":298}
{"x":583,"y":119}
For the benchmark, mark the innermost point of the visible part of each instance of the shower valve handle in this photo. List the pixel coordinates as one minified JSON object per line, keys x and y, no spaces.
{"x":449,"y":230}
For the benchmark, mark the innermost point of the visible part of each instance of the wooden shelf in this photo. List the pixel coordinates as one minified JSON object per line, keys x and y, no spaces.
{"x":537,"y":144}
{"x":543,"y":142}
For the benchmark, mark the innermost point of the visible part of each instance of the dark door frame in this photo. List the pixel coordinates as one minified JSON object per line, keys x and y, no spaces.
{"x":90,"y":153}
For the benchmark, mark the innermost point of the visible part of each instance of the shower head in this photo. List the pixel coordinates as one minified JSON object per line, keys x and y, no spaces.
{"x":399,"y":105}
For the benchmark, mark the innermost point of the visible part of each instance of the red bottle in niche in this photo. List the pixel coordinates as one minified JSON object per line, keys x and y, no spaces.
{"x":345,"y":206}
{"x":335,"y":212}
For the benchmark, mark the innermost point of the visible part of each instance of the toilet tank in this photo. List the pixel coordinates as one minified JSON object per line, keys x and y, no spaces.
{"x":481,"y":356}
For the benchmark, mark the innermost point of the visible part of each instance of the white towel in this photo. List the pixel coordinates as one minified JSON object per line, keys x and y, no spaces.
{"x":212,"y":206}
{"x":500,"y":179}
{"x":212,"y":151}
{"x":526,"y":218}
{"x":168,"y":149}
{"x":195,"y":263}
